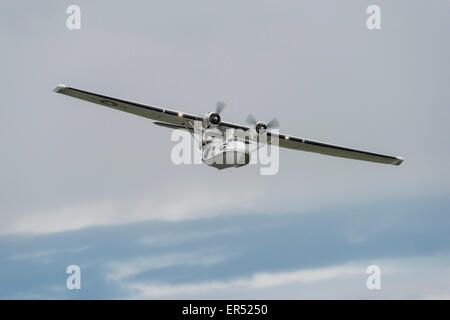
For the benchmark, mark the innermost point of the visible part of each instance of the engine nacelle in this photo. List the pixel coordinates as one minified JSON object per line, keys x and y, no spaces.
{"x":211,"y":120}
{"x":261,"y":128}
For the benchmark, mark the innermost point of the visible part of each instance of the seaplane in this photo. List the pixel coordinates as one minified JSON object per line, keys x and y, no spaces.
{"x":224,"y":144}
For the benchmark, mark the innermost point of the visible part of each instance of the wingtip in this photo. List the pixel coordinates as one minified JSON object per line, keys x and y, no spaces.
{"x":59,"y":88}
{"x":398,"y":161}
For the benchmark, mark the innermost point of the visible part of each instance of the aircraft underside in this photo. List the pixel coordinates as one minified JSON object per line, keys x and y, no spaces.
{"x":226,"y":154}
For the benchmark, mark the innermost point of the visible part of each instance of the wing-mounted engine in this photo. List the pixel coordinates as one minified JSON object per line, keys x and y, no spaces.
{"x":261,"y":127}
{"x":213,"y":119}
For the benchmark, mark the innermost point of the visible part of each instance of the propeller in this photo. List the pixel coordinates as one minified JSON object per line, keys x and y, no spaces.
{"x":220,"y":106}
{"x":272,"y":124}
{"x":251,"y":120}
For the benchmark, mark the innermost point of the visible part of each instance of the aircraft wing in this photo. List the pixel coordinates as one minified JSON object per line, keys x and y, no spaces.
{"x":161,"y":115}
{"x":296,"y":143}
{"x":174,"y":119}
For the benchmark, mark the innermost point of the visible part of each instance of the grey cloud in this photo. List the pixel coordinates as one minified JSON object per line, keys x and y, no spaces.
{"x":272,"y":243}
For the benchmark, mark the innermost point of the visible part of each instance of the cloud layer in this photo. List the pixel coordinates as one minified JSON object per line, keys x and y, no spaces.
{"x":314,"y":254}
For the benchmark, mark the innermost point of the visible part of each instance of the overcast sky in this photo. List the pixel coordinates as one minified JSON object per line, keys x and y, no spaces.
{"x":87,"y":185}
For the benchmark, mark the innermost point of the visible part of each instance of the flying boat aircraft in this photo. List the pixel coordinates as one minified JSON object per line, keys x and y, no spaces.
{"x":221,"y":140}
